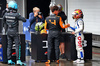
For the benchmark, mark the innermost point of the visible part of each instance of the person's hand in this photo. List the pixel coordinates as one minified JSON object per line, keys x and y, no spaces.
{"x":68,"y":25}
{"x":73,"y":32}
{"x":40,"y":16}
{"x":35,"y":14}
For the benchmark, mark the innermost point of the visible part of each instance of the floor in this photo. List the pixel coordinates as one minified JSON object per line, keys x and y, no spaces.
{"x":94,"y":62}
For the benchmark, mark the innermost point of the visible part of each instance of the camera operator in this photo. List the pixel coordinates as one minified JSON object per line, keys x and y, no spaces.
{"x":34,"y":17}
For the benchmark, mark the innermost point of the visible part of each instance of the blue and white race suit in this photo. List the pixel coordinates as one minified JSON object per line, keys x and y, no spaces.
{"x":78,"y":28}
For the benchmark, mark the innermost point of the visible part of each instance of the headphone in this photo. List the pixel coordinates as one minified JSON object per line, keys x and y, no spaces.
{"x":60,"y":8}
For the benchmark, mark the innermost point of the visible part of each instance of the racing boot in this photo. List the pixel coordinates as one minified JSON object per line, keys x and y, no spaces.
{"x":79,"y":61}
{"x":48,"y":62}
{"x":20,"y":63}
{"x":10,"y":62}
{"x":57,"y":61}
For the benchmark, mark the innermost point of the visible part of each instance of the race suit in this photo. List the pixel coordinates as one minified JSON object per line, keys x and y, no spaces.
{"x":11,"y":19}
{"x":79,"y":27}
{"x":54,"y":24}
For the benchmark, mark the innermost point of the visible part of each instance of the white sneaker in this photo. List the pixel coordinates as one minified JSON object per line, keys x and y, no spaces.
{"x":78,"y":60}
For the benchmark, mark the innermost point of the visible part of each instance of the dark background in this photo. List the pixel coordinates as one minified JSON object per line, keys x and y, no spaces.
{"x":3,"y":6}
{"x":42,"y":4}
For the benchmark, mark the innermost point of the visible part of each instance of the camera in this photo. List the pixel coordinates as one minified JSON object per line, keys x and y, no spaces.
{"x":39,"y":13}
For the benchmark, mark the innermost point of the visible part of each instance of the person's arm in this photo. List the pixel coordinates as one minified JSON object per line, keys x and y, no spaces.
{"x":19,"y":17}
{"x":81,"y":26}
{"x":72,"y":28}
{"x":32,"y":18}
{"x":4,"y":20}
{"x":45,"y":26}
{"x":4,"y":23}
{"x":42,"y":20}
{"x":3,"y":12}
{"x":62,"y":24}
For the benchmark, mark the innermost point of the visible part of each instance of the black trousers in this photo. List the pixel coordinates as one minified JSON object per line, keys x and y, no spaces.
{"x":53,"y":40}
{"x":11,"y":38}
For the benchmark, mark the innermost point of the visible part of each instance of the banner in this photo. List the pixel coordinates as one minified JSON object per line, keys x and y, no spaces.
{"x":26,"y":30}
{"x":1,"y":51}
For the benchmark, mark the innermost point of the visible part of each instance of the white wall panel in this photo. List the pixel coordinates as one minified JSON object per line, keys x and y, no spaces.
{"x":91,"y":10}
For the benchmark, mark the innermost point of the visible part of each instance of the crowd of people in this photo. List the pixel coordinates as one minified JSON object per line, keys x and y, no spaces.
{"x":54,"y":23}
